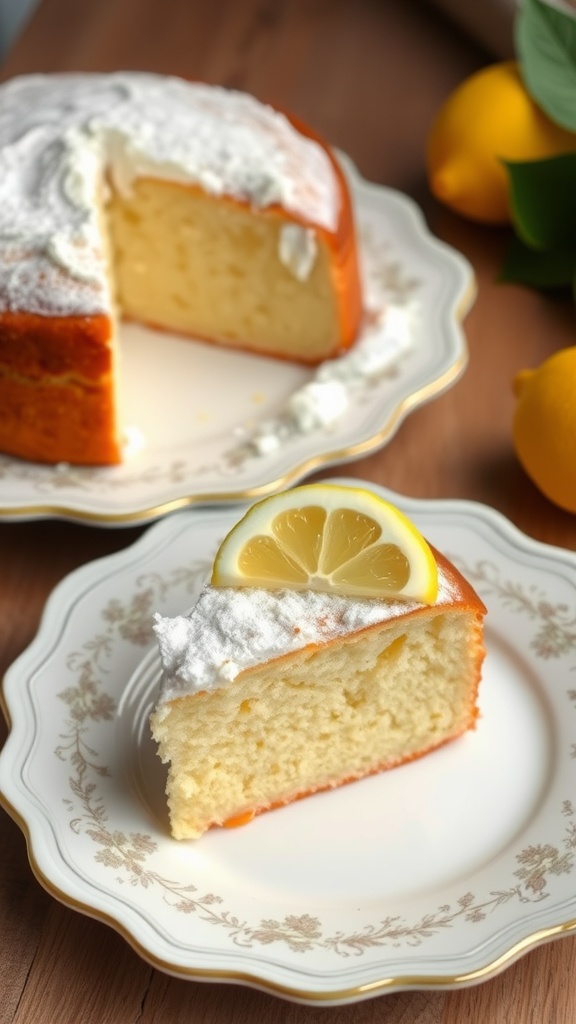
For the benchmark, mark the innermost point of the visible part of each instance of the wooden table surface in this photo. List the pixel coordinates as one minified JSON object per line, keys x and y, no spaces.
{"x":369,"y":75}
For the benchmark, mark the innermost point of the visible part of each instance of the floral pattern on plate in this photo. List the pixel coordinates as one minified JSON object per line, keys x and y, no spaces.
{"x":393,"y":896}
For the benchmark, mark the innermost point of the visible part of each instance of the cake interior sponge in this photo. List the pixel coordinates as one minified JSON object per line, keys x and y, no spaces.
{"x":320,"y":716}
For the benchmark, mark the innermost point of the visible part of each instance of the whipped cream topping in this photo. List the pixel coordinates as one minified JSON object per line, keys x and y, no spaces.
{"x":61,"y":134}
{"x":297,"y":248}
{"x":231,"y":629}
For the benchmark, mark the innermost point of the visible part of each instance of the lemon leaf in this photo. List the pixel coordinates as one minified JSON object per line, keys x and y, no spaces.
{"x":546,"y":47}
{"x":537,"y":269}
{"x":543,"y":200}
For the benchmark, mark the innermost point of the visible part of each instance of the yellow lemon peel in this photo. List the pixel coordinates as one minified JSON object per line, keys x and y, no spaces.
{"x":338,"y":539}
{"x":544,"y":426}
{"x":488,"y":119}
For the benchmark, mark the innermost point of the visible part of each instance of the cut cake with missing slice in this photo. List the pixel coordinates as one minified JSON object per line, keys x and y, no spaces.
{"x":187,"y":207}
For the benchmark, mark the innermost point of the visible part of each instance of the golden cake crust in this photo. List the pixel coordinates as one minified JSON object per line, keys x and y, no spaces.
{"x":57,"y":399}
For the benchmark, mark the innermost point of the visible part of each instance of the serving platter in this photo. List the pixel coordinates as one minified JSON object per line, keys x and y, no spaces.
{"x":208,"y":425}
{"x":437,"y":874}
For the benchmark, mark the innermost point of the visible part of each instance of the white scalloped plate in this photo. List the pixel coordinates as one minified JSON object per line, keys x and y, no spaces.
{"x":436,"y":874}
{"x":193,"y":406}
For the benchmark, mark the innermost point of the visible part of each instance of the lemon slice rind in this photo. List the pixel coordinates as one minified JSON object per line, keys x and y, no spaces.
{"x":253,"y":541}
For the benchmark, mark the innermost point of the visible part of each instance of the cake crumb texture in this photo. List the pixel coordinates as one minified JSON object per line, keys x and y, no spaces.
{"x":321,"y":716}
{"x":198,"y":264}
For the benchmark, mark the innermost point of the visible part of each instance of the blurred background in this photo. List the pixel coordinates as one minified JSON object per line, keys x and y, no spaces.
{"x":489,"y":22}
{"x":13,"y":16}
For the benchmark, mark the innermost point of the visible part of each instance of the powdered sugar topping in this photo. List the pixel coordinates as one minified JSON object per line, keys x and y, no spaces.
{"x":59,"y":134}
{"x":231,"y":629}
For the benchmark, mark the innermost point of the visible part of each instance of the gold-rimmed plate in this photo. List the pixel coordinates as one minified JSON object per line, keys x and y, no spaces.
{"x":208,"y":425}
{"x":437,"y":874}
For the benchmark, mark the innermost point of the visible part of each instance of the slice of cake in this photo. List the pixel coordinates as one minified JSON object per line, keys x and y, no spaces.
{"x":359,"y":651}
{"x":192,"y":208}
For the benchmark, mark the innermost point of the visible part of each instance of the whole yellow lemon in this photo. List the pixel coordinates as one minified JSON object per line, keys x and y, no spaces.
{"x":544,"y":426}
{"x":490,"y":117}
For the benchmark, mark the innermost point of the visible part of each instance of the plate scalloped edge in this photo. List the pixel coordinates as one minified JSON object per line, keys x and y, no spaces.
{"x":538,"y":873}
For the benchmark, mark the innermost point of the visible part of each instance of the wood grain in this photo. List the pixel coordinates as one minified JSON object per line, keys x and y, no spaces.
{"x":369,"y":75}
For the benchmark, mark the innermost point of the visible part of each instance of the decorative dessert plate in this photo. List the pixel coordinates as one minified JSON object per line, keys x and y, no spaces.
{"x":437,"y":874}
{"x":208,"y":425}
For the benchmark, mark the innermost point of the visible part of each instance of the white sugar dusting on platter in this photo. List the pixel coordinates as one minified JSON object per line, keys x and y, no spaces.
{"x":324,"y":400}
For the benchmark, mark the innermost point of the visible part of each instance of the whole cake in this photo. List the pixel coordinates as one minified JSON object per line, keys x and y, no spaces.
{"x":269,"y":694}
{"x":192,"y":208}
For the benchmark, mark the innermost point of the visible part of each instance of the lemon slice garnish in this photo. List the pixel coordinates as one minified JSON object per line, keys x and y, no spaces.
{"x":342,"y":540}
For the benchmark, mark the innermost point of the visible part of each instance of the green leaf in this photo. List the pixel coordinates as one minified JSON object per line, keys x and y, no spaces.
{"x":547,"y":270}
{"x":546,"y":48}
{"x":543,"y":200}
